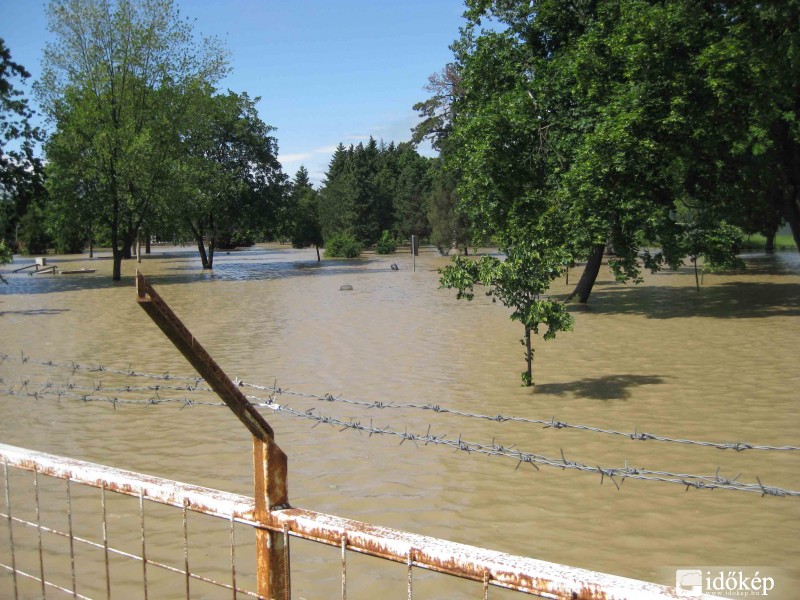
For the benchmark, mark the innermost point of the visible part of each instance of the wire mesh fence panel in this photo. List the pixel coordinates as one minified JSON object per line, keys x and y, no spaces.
{"x":92,"y":531}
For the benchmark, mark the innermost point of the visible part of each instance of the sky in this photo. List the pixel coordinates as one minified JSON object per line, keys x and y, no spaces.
{"x":327,"y":71}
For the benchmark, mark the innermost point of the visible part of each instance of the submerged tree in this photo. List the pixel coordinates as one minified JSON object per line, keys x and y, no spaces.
{"x":519,"y":282}
{"x":635,"y":106}
{"x":232,"y":176}
{"x":116,"y":85}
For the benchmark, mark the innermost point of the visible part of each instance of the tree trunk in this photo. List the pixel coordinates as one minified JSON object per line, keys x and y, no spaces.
{"x":212,"y":244}
{"x":129,"y":245}
{"x":91,"y":244}
{"x":201,"y":247}
{"x":696,"y":275}
{"x":528,"y":379}
{"x":117,"y":254}
{"x":147,"y":243}
{"x":318,"y":257}
{"x":769,"y":244}
{"x":139,"y":249}
{"x":590,"y":272}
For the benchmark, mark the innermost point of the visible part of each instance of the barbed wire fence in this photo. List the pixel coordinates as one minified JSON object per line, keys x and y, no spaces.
{"x":193,"y":386}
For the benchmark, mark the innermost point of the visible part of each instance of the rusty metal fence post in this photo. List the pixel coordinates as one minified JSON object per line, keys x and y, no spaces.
{"x":270,"y":470}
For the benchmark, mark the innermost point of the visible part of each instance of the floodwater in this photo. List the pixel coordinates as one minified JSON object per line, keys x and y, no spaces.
{"x":716,"y":365}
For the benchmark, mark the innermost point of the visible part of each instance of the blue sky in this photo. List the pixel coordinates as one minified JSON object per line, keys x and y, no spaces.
{"x":327,"y":71}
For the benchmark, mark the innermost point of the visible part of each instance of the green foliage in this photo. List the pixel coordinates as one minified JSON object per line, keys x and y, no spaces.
{"x":5,"y":257}
{"x":610,"y":114}
{"x":119,"y":84}
{"x":33,"y":236}
{"x":234,"y":237}
{"x":720,"y":245}
{"x":373,"y":188}
{"x":305,"y":227}
{"x":717,"y":243}
{"x":343,"y":245}
{"x":232,"y":183}
{"x":387,"y":244}
{"x":20,"y":169}
{"x":449,"y":225}
{"x":519,"y":282}
{"x":69,"y":238}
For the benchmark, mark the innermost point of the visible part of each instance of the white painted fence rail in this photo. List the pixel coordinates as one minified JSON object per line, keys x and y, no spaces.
{"x":527,"y":575}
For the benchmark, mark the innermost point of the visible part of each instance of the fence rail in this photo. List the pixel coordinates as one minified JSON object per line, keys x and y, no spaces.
{"x":492,"y":568}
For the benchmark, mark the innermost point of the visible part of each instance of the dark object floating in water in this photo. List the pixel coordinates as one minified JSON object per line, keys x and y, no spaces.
{"x":77,"y":271}
{"x":395,"y":267}
{"x":346,"y":288}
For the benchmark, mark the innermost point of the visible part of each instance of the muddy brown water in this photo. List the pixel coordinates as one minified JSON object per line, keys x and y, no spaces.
{"x":718,"y":365}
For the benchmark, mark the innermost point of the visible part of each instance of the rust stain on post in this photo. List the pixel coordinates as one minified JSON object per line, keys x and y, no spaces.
{"x":271,"y":493}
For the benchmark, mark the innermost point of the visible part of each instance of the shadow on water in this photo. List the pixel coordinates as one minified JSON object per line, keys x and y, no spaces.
{"x":735,"y":299}
{"x":34,"y":312}
{"x":608,"y":387}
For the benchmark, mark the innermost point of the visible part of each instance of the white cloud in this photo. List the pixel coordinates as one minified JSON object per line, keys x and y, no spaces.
{"x":294,"y":158}
{"x":326,"y":149}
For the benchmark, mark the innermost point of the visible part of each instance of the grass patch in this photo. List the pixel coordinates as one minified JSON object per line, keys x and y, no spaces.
{"x":756,"y":241}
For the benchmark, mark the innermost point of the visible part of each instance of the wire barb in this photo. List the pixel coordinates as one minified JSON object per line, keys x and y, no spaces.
{"x":98,"y":391}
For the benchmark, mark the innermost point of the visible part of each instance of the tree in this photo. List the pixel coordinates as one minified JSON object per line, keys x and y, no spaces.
{"x":519,"y":282}
{"x":449,"y":226}
{"x":306,"y":230}
{"x":635,"y":107}
{"x":438,"y":111}
{"x":448,"y":221}
{"x":752,"y":69}
{"x":233,"y":178}
{"x":412,"y":192}
{"x":5,"y":257}
{"x":21,"y":182}
{"x":116,"y":84}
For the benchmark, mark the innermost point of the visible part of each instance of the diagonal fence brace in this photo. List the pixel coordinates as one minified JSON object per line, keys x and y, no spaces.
{"x":270,"y":470}
{"x":193,"y":351}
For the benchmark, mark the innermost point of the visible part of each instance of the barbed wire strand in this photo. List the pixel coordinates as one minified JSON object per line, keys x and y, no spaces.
{"x":551,"y":423}
{"x":715,"y":481}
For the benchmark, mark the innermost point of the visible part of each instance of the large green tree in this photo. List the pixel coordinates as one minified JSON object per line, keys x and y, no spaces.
{"x":752,"y":69}
{"x":231,"y":175}
{"x":652,"y":128}
{"x":21,"y":183}
{"x":375,"y":187}
{"x":116,"y":85}
{"x":620,"y":112}
{"x":413,"y":184}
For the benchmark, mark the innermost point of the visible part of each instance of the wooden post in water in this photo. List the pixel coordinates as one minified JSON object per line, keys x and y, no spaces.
{"x":270,"y":469}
